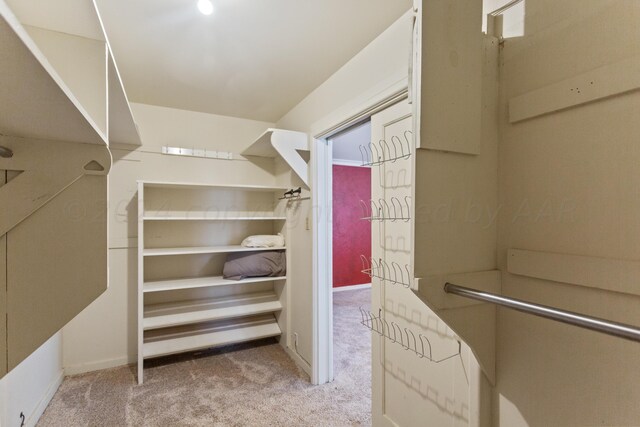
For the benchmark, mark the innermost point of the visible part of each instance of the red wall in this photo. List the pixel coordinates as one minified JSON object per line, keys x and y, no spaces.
{"x":351,"y":235}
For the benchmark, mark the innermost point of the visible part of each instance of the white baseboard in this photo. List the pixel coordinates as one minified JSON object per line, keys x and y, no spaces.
{"x":299,"y":360}
{"x":33,"y":418}
{"x":97,"y":366}
{"x":352,"y":287}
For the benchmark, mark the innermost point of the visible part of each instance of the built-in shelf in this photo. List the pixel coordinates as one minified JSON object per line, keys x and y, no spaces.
{"x":122,"y":126}
{"x":209,"y":218}
{"x":194,"y":250}
{"x":161,"y":184}
{"x":203,"y":309}
{"x":34,"y":87}
{"x":31,"y":88}
{"x":195,"y":337}
{"x":202,"y":282}
{"x":185,"y":312}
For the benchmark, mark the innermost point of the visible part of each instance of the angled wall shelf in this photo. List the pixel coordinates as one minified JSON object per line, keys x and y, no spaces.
{"x":53,"y":45}
{"x":31,"y":88}
{"x":122,"y":126}
{"x":286,"y":145}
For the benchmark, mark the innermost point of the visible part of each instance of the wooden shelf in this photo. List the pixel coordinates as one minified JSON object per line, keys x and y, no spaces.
{"x":31,"y":88}
{"x":86,"y":27}
{"x":122,"y":126}
{"x":208,"y":218}
{"x":204,"y":250}
{"x":196,"y":337}
{"x":185,"y":312}
{"x":202,"y":282}
{"x":192,"y":185}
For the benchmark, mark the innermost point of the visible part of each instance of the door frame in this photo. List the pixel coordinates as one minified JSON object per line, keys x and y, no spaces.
{"x":322,"y":199}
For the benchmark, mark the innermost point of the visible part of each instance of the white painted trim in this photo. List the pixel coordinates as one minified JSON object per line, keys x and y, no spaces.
{"x":322,"y":189}
{"x":33,"y":418}
{"x":391,"y":94}
{"x":299,"y":361}
{"x":352,"y":287}
{"x":98,"y":365}
{"x":321,"y":185}
{"x":344,"y":162}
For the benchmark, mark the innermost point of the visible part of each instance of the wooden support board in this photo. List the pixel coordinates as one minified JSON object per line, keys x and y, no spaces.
{"x":601,"y":273}
{"x":609,"y":80}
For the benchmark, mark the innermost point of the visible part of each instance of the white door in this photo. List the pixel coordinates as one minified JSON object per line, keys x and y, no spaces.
{"x":407,"y":390}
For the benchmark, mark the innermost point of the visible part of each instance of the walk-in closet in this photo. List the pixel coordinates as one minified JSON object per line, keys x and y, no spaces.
{"x":323,"y":213}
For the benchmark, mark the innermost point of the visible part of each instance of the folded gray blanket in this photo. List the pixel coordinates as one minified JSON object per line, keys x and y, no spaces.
{"x":255,"y":264}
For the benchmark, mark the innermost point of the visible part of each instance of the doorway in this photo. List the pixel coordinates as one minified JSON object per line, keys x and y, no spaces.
{"x":350,"y":286}
{"x":321,"y":176}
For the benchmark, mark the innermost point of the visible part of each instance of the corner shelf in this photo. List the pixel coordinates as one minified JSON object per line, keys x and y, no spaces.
{"x":185,"y":314}
{"x":285,"y":144}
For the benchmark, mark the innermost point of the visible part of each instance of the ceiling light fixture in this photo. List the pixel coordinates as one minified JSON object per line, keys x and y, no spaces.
{"x":205,"y":7}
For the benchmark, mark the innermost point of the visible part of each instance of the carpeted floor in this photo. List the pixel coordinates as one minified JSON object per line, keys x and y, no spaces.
{"x":242,"y":385}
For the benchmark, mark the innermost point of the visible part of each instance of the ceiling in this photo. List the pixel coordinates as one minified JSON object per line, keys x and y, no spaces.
{"x":253,"y":59}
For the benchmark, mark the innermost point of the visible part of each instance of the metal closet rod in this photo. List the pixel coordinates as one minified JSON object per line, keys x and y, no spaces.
{"x":621,"y":330}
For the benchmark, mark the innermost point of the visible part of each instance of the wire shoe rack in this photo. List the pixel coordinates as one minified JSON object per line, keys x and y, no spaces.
{"x":420,"y":344}
{"x":375,"y":154}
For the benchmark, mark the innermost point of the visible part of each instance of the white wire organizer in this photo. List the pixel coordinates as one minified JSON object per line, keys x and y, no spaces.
{"x":420,"y":345}
{"x":393,"y":273}
{"x":375,"y":154}
{"x":381,"y":210}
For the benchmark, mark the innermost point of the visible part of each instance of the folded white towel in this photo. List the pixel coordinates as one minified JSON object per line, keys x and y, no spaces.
{"x":264,"y":241}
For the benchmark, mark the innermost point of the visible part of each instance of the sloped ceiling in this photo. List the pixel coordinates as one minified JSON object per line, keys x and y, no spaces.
{"x":253,"y":59}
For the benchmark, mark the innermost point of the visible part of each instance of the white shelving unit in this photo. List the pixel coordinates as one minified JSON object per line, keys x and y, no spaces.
{"x":185,"y":232}
{"x":53,"y":118}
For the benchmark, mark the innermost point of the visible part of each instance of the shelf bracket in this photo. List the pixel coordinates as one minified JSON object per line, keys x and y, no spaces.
{"x":285,"y":144}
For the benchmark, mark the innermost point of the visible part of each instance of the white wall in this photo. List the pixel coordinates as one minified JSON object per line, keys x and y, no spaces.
{"x":569,"y":185}
{"x":29,"y":387}
{"x":104,"y":334}
{"x":380,"y":65}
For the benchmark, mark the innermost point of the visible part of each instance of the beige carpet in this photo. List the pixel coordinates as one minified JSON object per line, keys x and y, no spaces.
{"x":242,"y":385}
